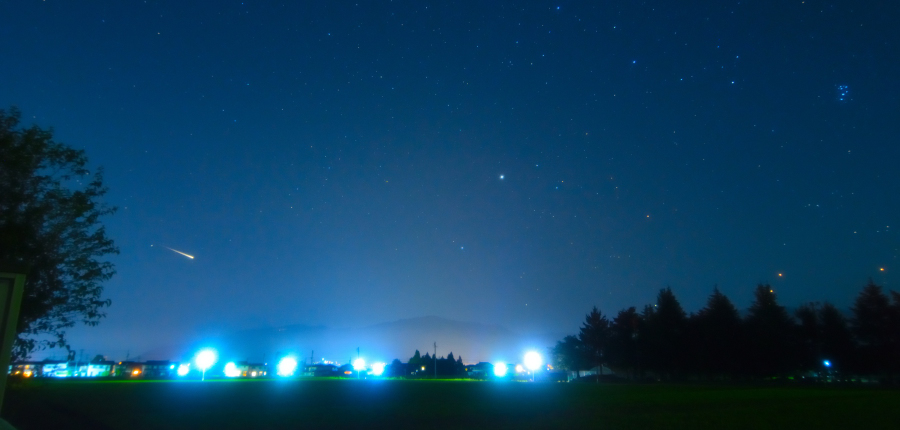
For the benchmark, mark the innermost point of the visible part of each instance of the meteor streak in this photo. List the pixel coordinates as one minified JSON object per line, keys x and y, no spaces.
{"x":175,"y":250}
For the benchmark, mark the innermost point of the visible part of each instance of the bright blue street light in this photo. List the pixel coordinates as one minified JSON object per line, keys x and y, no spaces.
{"x":359,"y":365}
{"x":183,"y":369}
{"x":378,"y":369}
{"x":533,"y":362}
{"x":287,"y":366}
{"x":232,"y":371}
{"x":827,"y":363}
{"x":205,"y":359}
{"x":500,"y":369}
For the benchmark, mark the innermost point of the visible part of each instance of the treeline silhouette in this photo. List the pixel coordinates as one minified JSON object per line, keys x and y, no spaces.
{"x":663,"y":342}
{"x":424,"y":367}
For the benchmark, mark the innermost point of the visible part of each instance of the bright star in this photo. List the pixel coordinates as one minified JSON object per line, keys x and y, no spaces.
{"x":501,"y":176}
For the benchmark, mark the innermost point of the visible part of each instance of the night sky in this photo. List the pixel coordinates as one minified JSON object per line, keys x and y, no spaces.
{"x":508,"y":163}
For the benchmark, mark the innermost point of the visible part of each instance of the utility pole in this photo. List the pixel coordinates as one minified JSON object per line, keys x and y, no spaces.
{"x":435,"y":360}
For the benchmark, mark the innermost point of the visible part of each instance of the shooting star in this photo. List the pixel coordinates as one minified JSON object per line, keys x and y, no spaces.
{"x":175,"y":250}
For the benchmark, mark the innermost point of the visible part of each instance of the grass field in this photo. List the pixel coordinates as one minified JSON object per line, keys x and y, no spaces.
{"x":251,"y":404}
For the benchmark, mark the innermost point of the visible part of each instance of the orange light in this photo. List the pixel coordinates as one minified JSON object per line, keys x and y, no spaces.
{"x":881,"y":269}
{"x":135,"y":372}
{"x":779,"y":274}
{"x":347,"y":372}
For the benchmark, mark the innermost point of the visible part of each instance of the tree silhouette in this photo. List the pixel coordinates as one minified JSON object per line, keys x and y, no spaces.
{"x":568,"y":354}
{"x":809,"y":336}
{"x":414,"y":363}
{"x":397,"y":369}
{"x":771,"y":336}
{"x":594,"y":337}
{"x":664,"y":342}
{"x":623,"y":341}
{"x":894,"y":339}
{"x":873,"y":329}
{"x":836,"y":338}
{"x":50,"y":207}
{"x":719,"y":336}
{"x":665,"y":335}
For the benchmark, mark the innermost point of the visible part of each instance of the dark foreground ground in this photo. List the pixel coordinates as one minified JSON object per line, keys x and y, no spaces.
{"x":42,"y":404}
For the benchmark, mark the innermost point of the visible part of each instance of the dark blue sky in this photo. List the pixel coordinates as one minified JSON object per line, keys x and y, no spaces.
{"x":509,"y":163}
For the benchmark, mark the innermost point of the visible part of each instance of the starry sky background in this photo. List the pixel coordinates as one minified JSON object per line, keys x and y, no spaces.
{"x":510,"y":163}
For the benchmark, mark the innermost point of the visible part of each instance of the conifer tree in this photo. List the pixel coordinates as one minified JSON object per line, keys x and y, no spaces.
{"x":771,"y":336}
{"x":719,"y":332}
{"x":873,"y":329}
{"x":665,"y":335}
{"x":624,"y":333}
{"x":594,"y":337}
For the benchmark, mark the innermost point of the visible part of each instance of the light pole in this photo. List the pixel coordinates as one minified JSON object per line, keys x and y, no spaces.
{"x":359,"y":364}
{"x":533,"y":362}
{"x":205,"y":359}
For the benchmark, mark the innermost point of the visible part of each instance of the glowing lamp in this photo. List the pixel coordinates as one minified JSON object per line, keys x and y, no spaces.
{"x":287,"y":366}
{"x":827,"y":363}
{"x":183,"y":369}
{"x":205,"y":359}
{"x":500,"y":369}
{"x":232,"y":371}
{"x":359,"y":364}
{"x":378,"y":369}
{"x":533,"y":361}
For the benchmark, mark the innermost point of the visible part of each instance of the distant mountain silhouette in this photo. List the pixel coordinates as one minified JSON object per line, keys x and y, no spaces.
{"x":473,"y":341}
{"x":380,"y":342}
